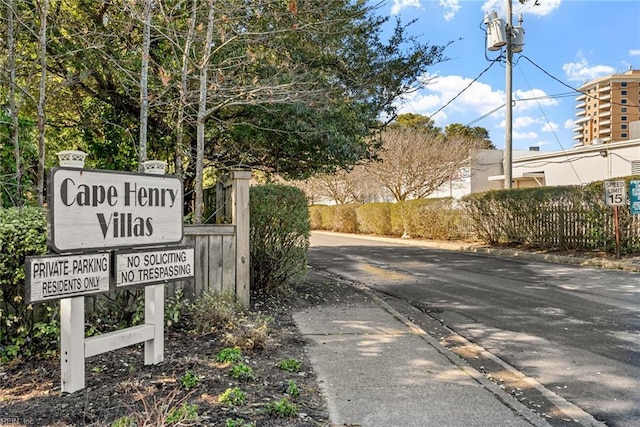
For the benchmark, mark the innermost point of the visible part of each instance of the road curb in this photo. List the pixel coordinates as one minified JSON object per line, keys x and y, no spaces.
{"x":502,"y":252}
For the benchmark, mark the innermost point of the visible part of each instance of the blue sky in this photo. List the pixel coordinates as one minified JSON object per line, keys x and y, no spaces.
{"x":561,"y":38}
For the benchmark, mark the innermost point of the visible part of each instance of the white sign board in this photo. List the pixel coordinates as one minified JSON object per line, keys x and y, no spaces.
{"x":615,"y":193}
{"x":95,"y":209}
{"x":54,"y":277}
{"x":153,"y":266}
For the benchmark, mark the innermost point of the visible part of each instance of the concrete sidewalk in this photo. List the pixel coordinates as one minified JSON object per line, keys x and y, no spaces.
{"x":378,"y":369}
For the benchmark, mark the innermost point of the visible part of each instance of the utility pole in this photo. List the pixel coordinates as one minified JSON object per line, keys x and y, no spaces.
{"x":508,"y":155}
{"x":499,"y":35}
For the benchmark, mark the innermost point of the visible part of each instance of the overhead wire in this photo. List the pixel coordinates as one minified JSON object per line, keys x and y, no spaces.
{"x":569,"y":86}
{"x":549,"y":125}
{"x":463,"y":90}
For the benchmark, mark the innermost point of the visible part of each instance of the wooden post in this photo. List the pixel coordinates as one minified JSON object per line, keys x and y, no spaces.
{"x":220,"y":199}
{"x":72,"y":344}
{"x":154,"y":315}
{"x":240,"y":214}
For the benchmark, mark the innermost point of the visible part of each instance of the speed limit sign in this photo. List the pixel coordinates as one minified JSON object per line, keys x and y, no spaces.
{"x":615,"y":193}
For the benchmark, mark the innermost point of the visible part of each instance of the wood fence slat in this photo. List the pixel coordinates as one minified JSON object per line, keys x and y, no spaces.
{"x":228,"y":264}
{"x":216,"y":256}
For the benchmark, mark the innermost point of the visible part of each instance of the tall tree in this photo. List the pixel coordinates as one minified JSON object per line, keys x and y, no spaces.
{"x":477,"y":133}
{"x":291,"y":87}
{"x":414,"y":162}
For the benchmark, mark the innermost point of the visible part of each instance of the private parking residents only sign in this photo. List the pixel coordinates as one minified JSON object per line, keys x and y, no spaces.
{"x":96,"y":209}
{"x":54,"y":277}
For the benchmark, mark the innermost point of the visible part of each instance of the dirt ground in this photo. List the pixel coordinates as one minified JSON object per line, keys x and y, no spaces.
{"x":118,"y":384}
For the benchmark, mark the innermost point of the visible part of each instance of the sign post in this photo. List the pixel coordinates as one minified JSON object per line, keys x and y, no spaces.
{"x":615,"y":195}
{"x":634,"y":197}
{"x":105,"y":212}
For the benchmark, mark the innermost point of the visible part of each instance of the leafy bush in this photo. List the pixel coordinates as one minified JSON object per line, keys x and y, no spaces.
{"x":185,"y":414}
{"x":233,"y":397}
{"x":25,"y":329}
{"x":374,"y":218}
{"x":283,"y":408}
{"x":229,"y":355}
{"x":290,"y":365}
{"x":437,"y":220}
{"x":346,"y":219}
{"x":242,"y":372}
{"x":279,"y":237}
{"x":564,"y":217}
{"x":315,"y":217}
{"x":189,"y":380}
{"x":213,"y":311}
{"x":292,"y":388}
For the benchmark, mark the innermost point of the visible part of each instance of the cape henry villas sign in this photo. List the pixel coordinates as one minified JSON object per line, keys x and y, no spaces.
{"x":97,"y":209}
{"x":109,"y":230}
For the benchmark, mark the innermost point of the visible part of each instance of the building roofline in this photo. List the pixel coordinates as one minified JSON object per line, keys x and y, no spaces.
{"x":576,"y":151}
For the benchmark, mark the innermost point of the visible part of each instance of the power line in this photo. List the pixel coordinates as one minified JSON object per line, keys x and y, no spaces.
{"x":550,"y":128}
{"x":463,"y":90}
{"x":568,"y":85}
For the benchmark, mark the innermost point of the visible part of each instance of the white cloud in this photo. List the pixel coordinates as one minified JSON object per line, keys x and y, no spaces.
{"x":549,"y":127}
{"x":582,"y":71}
{"x":451,"y":7}
{"x":634,"y":52}
{"x":478,"y":99}
{"x":524,"y":135}
{"x":534,"y":98}
{"x":569,"y":124}
{"x":398,"y":5}
{"x":531,"y":7}
{"x":523,"y":122}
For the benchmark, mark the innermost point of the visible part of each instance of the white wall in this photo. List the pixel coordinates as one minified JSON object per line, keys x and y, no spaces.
{"x":581,"y":165}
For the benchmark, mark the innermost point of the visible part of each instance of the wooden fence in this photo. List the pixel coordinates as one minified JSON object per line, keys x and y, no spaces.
{"x":222,"y":250}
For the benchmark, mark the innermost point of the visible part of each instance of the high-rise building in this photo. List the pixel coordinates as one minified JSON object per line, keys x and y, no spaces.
{"x":606,"y":109}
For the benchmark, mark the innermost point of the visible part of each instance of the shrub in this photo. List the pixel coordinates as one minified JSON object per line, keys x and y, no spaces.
{"x":229,"y":355}
{"x":242,"y":372}
{"x":346,"y":219}
{"x":213,"y":311}
{"x":279,"y":237}
{"x":24,"y":329}
{"x":189,"y":380}
{"x":233,"y":397}
{"x":290,"y":365}
{"x":185,"y":414}
{"x":437,"y":220}
{"x":315,"y":217}
{"x":374,"y":218}
{"x":283,"y":408}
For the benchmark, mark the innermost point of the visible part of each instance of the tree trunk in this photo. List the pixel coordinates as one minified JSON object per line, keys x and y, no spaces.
{"x":13,"y":106}
{"x":42,"y":98}
{"x":179,"y":149}
{"x":202,"y":116}
{"x":144,"y":85}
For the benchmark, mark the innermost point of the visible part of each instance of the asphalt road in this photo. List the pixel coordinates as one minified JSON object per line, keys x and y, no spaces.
{"x":575,"y":330}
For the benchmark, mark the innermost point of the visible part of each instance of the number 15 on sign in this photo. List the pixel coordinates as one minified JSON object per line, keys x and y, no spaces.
{"x":615,"y":193}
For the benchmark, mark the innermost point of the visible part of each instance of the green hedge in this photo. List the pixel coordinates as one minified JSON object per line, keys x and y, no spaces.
{"x":279,"y":237}
{"x":422,"y":218}
{"x":563,"y":217}
{"x":374,"y":218}
{"x":25,"y":329}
